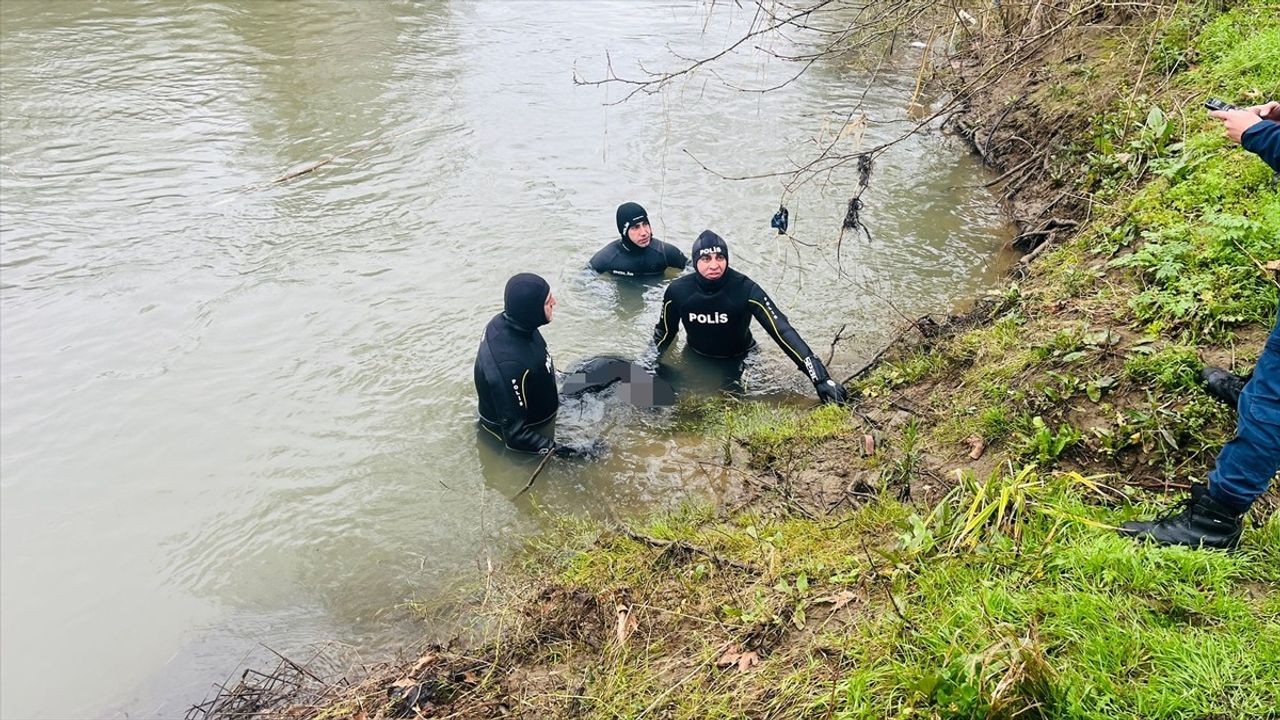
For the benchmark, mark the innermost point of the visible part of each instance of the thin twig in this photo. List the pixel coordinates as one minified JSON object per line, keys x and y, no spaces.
{"x":545,"y":459}
{"x":835,"y":340}
{"x":689,"y":547}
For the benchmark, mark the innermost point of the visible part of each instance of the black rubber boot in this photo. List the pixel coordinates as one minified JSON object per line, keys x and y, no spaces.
{"x":1198,"y":521}
{"x":1223,"y":385}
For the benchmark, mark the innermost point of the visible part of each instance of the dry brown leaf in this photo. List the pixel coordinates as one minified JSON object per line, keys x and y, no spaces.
{"x":360,"y":715}
{"x":469,"y":677}
{"x":976,"y":447}
{"x":838,"y":600}
{"x":405,"y":682}
{"x":730,"y":655}
{"x":423,"y":661}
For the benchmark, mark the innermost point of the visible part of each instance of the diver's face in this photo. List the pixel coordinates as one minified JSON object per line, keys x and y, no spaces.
{"x":640,"y":233}
{"x":549,"y":308}
{"x":712,"y":265}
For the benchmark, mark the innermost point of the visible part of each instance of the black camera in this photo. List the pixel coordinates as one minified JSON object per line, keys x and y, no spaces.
{"x":779,"y":220}
{"x":1216,"y":104}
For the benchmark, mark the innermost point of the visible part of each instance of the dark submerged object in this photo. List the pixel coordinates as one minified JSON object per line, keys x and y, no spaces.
{"x":635,"y":384}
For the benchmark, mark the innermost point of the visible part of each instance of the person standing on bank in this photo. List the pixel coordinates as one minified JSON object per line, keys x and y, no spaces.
{"x":716,"y":303}
{"x":1257,"y":129}
{"x":1213,"y":515}
{"x":637,"y":252}
{"x":514,"y":375}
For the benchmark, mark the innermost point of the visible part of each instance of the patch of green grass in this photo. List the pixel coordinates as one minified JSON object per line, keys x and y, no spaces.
{"x":911,"y":368}
{"x":1240,"y":52}
{"x":1175,"y":368}
{"x":766,"y":430}
{"x":1012,"y":597}
{"x":1072,"y":620}
{"x":1044,"y":445}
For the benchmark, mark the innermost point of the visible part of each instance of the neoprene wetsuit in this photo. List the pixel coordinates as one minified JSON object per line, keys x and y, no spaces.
{"x":515,"y":378}
{"x":719,"y":321}
{"x":623,"y":257}
{"x":717,"y":315}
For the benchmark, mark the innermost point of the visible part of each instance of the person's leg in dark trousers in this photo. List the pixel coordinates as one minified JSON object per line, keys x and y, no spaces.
{"x":1213,"y":516}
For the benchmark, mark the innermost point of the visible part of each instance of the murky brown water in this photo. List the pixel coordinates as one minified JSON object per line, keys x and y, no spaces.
{"x":238,"y":413}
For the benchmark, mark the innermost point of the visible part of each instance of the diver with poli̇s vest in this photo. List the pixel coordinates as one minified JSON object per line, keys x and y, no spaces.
{"x":716,"y":304}
{"x":515,"y":377}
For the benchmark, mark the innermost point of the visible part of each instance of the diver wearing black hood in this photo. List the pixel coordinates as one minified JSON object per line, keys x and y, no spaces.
{"x":636,"y":252}
{"x":716,"y":304}
{"x":514,"y":375}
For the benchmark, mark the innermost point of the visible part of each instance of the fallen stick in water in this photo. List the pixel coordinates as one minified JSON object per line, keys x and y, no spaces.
{"x":535,"y":474}
{"x":350,"y":151}
{"x":835,"y":340}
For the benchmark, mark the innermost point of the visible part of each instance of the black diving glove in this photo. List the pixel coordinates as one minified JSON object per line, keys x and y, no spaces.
{"x":589,"y":450}
{"x":829,"y":391}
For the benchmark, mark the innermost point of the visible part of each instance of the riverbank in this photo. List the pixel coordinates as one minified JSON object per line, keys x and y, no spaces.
{"x":943,"y":548}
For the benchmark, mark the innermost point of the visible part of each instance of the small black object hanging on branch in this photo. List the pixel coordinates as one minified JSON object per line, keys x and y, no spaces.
{"x":779,"y":220}
{"x":851,"y":219}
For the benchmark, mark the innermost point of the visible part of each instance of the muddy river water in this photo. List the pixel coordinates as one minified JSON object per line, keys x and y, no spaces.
{"x":239,"y":413}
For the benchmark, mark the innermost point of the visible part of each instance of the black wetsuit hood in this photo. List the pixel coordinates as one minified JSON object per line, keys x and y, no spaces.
{"x":709,"y":243}
{"x":628,"y":215}
{"x":524,"y":299}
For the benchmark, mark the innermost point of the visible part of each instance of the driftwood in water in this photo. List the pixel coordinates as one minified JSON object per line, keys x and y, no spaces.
{"x":545,"y":459}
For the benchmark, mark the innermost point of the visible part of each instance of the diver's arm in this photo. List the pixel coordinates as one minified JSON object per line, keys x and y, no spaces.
{"x":776,"y":324}
{"x":664,"y":333}
{"x":508,"y":394}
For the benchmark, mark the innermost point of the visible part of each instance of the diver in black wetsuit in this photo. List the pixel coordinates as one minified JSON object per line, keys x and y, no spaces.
{"x":716,"y":305}
{"x":515,"y":378}
{"x":637,"y":252}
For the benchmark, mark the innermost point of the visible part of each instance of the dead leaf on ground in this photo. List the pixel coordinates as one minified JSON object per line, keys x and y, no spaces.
{"x":838,"y":600}
{"x":745,"y":660}
{"x":422,"y":662}
{"x":976,"y":446}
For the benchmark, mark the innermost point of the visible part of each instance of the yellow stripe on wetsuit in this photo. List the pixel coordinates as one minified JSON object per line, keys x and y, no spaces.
{"x":666,"y":326}
{"x":776,"y":332}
